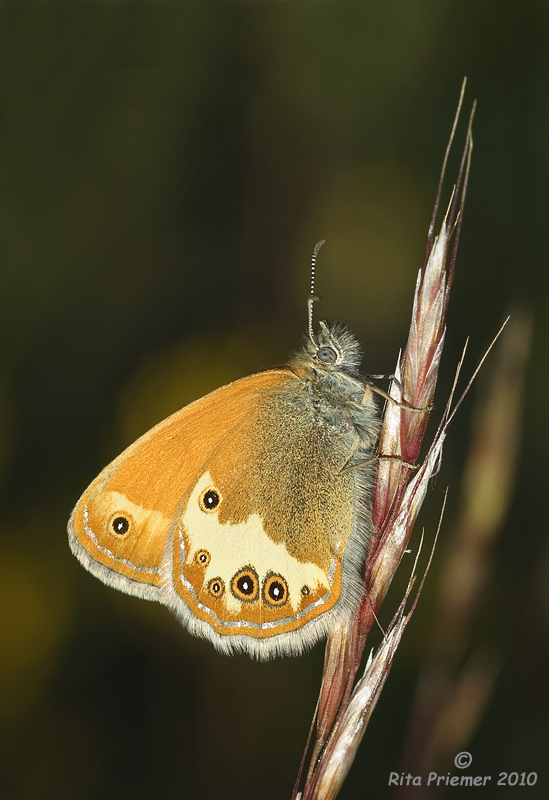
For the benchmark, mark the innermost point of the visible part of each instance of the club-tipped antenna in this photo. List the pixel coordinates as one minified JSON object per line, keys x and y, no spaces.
{"x":313,"y":296}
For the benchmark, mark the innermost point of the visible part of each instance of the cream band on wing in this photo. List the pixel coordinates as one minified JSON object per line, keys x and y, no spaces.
{"x":241,"y":561}
{"x":275,"y":626}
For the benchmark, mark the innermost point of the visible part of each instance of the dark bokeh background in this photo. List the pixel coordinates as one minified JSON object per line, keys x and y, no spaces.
{"x":166,"y":169}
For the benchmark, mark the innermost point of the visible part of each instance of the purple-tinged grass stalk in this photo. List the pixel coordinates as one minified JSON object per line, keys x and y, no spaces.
{"x":351,"y":724}
{"x":454,"y":684}
{"x":343,"y":712}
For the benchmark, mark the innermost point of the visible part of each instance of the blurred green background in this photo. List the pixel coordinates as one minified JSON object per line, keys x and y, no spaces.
{"x":166,"y":169}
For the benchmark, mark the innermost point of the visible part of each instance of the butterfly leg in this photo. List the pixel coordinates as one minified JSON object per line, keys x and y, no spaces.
{"x":404,"y":405}
{"x":348,"y":467}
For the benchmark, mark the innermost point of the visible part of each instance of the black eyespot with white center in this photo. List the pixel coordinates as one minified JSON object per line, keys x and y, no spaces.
{"x":327,"y":355}
{"x":120,"y":524}
{"x":202,"y":557}
{"x":245,"y":585}
{"x":275,"y":590}
{"x":305,"y":591}
{"x":209,"y":499}
{"x":216,"y":588}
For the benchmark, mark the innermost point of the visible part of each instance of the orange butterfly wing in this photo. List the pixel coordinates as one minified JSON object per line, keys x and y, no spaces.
{"x":233,"y":512}
{"x":146,"y":484}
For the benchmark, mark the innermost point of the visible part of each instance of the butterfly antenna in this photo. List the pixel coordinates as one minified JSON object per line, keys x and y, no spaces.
{"x":313,"y":296}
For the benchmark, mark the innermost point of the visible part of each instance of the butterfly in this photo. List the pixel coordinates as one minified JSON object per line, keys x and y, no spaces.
{"x":248,"y":512}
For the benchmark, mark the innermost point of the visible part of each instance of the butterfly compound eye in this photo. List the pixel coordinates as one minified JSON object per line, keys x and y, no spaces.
{"x":120,"y":524}
{"x":327,"y":355}
{"x":209,"y":500}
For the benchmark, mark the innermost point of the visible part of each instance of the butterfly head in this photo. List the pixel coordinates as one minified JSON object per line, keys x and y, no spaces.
{"x":333,"y":354}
